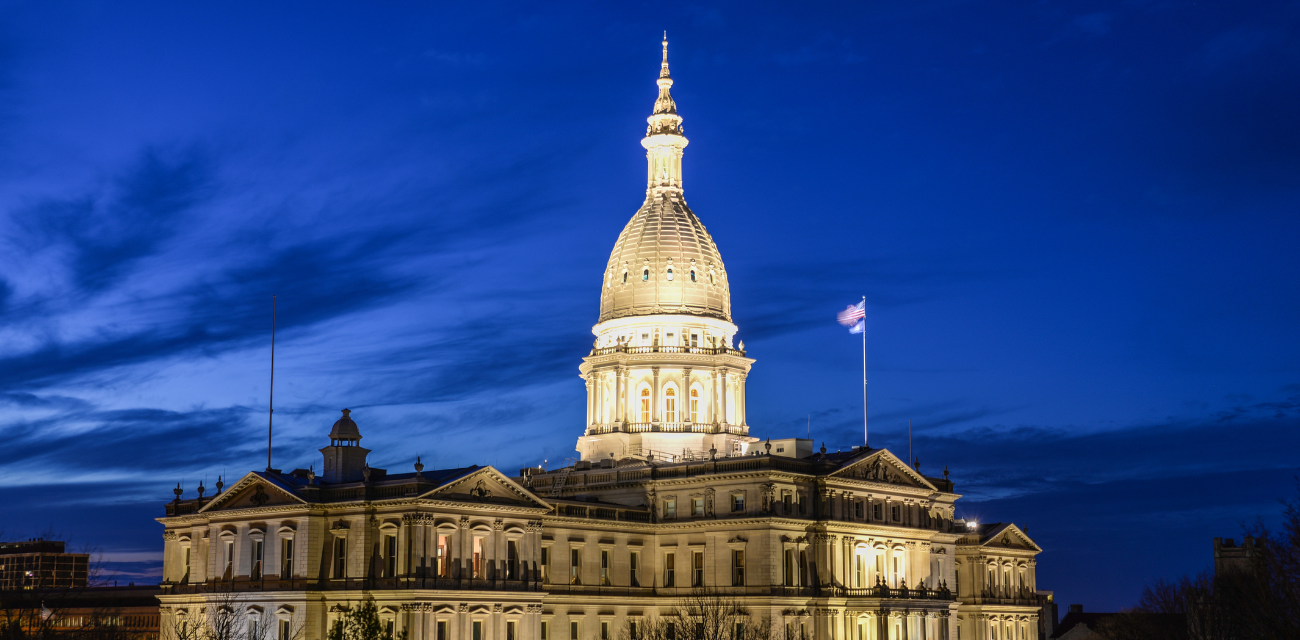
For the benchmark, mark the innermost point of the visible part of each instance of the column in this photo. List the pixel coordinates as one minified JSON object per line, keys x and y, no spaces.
{"x":590,"y":400}
{"x":685,"y":409}
{"x":740,"y":398}
{"x":723,"y":398}
{"x":654,"y":396}
{"x":619,"y":382}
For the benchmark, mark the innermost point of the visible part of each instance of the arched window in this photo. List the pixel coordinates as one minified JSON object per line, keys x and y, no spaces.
{"x":645,"y":275}
{"x":645,"y":404}
{"x":670,"y":273}
{"x":670,"y":405}
{"x":695,"y":405}
{"x":692,"y":275}
{"x":624,"y":277}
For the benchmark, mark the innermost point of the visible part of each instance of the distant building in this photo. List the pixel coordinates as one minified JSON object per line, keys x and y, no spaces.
{"x":41,"y":564}
{"x":1229,"y":557}
{"x":1047,"y":614}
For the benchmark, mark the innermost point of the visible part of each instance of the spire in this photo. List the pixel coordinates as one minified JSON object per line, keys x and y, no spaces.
{"x":665,"y":105}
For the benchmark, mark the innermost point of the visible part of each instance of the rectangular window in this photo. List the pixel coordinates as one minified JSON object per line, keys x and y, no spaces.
{"x":857,"y":509}
{"x":738,"y":503}
{"x":573,"y":630}
{"x":388,"y":629}
{"x":737,"y":567}
{"x":510,"y":630}
{"x":695,"y":339}
{"x":788,"y":568}
{"x":670,"y":631}
{"x":670,"y":574}
{"x":895,"y":513}
{"x":340,"y":557}
{"x":697,"y":507}
{"x":787,"y":502}
{"x":477,"y":559}
{"x":604,"y":568}
{"x":670,"y":508}
{"x":575,"y":566}
{"x":875,"y":511}
{"x":390,"y":556}
{"x":632,"y":569}
{"x":546,"y":565}
{"x":284,"y":630}
{"x":512,"y":559}
{"x":478,"y":630}
{"x":442,"y":631}
{"x":632,"y":629}
{"x":252,"y":628}
{"x":185,"y":576}
{"x":442,"y":567}
{"x":286,"y":559}
{"x":546,"y":630}
{"x":230,"y":558}
{"x":604,"y":631}
{"x":697,"y":579}
{"x":256,"y":573}
{"x":738,"y":631}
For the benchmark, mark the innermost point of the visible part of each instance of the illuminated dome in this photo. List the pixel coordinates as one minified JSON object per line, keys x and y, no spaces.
{"x":665,"y":262}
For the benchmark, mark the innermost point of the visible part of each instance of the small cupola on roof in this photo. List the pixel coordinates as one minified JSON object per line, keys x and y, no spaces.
{"x":345,"y":459}
{"x":665,"y":261}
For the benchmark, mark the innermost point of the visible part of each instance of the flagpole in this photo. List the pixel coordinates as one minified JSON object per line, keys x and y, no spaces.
{"x":865,"y":431}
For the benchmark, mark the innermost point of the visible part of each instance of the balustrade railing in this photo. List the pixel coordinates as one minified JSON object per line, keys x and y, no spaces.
{"x":708,"y":351}
{"x":665,"y":427}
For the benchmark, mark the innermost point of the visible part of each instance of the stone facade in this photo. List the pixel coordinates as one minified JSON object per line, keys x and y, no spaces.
{"x":670,"y":494}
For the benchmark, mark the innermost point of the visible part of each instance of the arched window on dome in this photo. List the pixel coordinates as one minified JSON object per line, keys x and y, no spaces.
{"x":624,"y":277}
{"x":692,"y":275}
{"x":645,"y":275}
{"x":670,"y":274}
{"x":670,"y":404}
{"x":645,"y":405}
{"x":695,"y":404}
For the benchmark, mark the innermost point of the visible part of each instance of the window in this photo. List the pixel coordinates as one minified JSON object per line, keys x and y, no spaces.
{"x":388,"y":629}
{"x":185,"y":577}
{"x":670,"y":274}
{"x":896,"y":576}
{"x":645,"y":405}
{"x":857,"y":509}
{"x":894,"y":513}
{"x":512,"y":559}
{"x":252,"y":628}
{"x":787,"y":568}
{"x":692,"y":275}
{"x":697,"y":506}
{"x":738,"y":631}
{"x":737,"y":567}
{"x":230,"y":558}
{"x":442,"y":567}
{"x":670,"y":405}
{"x":604,"y":626}
{"x":670,"y":574}
{"x":604,"y":568}
{"x":257,"y":560}
{"x":390,"y":556}
{"x":443,"y":635}
{"x":478,"y":630}
{"x":477,"y":559}
{"x":695,"y":405}
{"x":286,"y":559}
{"x":738,"y":503}
{"x":573,"y":631}
{"x":695,"y":339}
{"x":645,"y":275}
{"x":575,"y":566}
{"x":875,"y":511}
{"x":697,"y":570}
{"x":632,"y":568}
{"x":632,"y":629}
{"x":546,"y":565}
{"x":859,"y":568}
{"x":624,"y":277}
{"x":670,"y":508}
{"x":340,"y":557}
{"x":510,"y":630}
{"x":285,"y":632}
{"x":670,"y":631}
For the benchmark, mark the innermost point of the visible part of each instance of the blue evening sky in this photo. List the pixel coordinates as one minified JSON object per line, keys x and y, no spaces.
{"x":1075,"y":224}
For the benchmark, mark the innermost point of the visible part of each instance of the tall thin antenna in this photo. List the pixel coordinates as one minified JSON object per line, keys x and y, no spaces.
{"x":810,"y":426}
{"x":270,"y":405}
{"x":866,"y":432}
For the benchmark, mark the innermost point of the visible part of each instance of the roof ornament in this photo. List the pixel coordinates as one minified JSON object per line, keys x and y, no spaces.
{"x":823,"y":448}
{"x":419,"y":466}
{"x":220,"y":484}
{"x":311,"y":473}
{"x":201,"y":489}
{"x":945,"y":472}
{"x":178,"y":491}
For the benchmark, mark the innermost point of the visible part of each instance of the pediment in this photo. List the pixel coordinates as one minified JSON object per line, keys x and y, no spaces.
{"x":252,"y":491}
{"x":883,"y":466}
{"x":1010,"y":537}
{"x":487,"y":486}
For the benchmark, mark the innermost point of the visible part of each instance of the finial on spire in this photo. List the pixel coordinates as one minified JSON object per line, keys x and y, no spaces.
{"x":663,"y":67}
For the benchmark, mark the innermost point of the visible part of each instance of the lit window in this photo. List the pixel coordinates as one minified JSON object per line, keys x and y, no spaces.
{"x":477,"y":563}
{"x":695,"y":405}
{"x":670,"y":273}
{"x":670,"y":405}
{"x":645,"y":405}
{"x":737,"y":567}
{"x":670,"y":577}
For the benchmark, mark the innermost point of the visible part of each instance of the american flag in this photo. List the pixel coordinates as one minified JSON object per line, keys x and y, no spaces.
{"x":854,"y":317}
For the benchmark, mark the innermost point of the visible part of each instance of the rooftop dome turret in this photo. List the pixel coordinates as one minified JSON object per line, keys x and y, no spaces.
{"x":345,"y":428}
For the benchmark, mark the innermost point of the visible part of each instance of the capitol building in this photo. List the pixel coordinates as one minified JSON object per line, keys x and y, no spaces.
{"x":671,"y":497}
